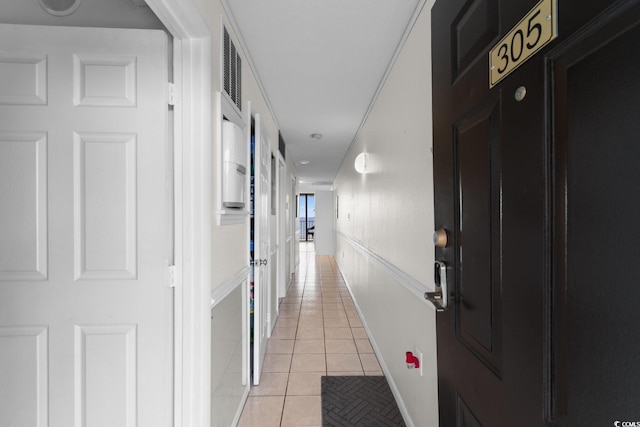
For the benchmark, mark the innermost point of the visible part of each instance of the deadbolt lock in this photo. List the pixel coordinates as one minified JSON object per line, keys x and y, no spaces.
{"x":440,"y":238}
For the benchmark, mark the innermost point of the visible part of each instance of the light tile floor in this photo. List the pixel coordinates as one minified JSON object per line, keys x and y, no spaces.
{"x":318,"y":333}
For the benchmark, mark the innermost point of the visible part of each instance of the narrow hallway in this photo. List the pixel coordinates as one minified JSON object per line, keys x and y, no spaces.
{"x":318,"y":333}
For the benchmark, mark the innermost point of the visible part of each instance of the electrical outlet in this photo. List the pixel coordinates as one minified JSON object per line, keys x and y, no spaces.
{"x":418,"y":354}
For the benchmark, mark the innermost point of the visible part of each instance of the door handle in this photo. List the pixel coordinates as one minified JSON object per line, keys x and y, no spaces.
{"x":440,"y":238}
{"x":439,"y":297}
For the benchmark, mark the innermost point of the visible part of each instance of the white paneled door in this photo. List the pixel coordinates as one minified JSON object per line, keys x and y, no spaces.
{"x":86,"y":320}
{"x":262,"y":276}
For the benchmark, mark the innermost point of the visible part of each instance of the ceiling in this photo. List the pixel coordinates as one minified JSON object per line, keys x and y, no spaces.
{"x":320,"y":63}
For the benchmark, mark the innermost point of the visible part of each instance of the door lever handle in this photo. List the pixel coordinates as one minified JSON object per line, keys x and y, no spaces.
{"x":435,"y":298}
{"x":439,"y":298}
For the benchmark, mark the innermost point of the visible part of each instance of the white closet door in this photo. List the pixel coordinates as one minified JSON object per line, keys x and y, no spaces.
{"x":86,"y":319}
{"x":262,"y":288}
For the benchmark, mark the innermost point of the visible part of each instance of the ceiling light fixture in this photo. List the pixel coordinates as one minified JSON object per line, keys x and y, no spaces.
{"x":316,"y":136}
{"x":60,"y":7}
{"x":303,"y":162}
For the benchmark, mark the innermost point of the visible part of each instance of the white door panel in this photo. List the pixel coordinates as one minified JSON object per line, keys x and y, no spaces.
{"x":86,"y":320}
{"x":262,"y":289}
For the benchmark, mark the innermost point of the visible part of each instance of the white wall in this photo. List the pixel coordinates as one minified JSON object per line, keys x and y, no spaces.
{"x":230,"y":251}
{"x":227,"y":390}
{"x":385,"y":223}
{"x":230,"y":243}
{"x":324,"y":236}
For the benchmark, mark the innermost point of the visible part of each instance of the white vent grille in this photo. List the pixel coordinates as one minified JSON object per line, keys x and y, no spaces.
{"x":232,"y":71}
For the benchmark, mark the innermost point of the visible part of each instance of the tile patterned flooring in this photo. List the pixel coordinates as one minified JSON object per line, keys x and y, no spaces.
{"x":318,"y":333}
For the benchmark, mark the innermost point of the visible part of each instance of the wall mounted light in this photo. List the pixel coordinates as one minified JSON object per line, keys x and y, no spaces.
{"x":361,"y":163}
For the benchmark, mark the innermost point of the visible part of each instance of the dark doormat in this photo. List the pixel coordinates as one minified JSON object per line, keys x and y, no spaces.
{"x":358,"y":401}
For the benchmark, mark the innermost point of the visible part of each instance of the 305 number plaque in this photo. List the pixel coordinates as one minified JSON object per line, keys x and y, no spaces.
{"x":531,"y":34}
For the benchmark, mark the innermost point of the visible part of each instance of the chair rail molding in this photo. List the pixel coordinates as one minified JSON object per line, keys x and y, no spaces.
{"x":412,"y":284}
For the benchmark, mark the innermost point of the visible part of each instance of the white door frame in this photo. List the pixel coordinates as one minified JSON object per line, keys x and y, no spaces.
{"x":293,"y":224}
{"x":193,"y":182}
{"x":281,"y":180}
{"x":262,"y":247}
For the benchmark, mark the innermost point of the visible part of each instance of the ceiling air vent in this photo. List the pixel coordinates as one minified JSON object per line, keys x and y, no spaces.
{"x":232,"y":79}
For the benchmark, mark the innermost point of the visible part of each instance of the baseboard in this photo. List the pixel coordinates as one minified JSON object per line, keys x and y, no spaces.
{"x":387,"y":373}
{"x":243,"y":401}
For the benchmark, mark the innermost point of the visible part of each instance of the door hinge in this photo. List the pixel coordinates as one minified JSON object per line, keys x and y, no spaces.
{"x":172,"y":276}
{"x":171,"y":96}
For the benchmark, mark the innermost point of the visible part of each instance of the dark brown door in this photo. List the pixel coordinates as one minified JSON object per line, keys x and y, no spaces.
{"x":539,"y":200}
